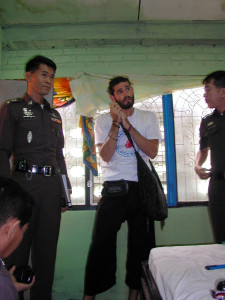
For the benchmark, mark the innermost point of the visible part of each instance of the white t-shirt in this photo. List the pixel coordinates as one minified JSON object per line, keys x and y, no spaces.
{"x":123,"y":164}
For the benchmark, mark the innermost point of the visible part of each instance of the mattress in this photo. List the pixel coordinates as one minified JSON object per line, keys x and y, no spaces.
{"x":179,"y":271}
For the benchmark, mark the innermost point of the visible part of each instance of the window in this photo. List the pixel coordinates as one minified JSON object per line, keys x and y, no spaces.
{"x":73,"y":153}
{"x":187,"y":107}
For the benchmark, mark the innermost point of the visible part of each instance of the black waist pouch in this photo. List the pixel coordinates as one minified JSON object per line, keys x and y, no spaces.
{"x":115,"y":188}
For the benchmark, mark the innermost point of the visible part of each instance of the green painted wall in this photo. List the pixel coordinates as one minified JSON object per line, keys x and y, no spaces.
{"x":184,"y":226}
{"x":157,"y":48}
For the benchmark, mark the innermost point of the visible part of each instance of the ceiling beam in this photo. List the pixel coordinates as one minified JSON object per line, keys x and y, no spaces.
{"x":145,"y":34}
{"x":135,"y":30}
{"x":77,"y":43}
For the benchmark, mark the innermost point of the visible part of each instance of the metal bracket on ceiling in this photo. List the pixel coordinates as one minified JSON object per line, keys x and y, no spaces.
{"x":139,"y":8}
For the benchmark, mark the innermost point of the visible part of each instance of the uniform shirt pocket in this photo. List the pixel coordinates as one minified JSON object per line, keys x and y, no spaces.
{"x":213,"y":135}
{"x":56,"y":132}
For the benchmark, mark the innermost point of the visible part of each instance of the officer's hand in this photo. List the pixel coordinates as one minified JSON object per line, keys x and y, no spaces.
{"x":202,"y":172}
{"x":19,"y":285}
{"x":64,"y":209}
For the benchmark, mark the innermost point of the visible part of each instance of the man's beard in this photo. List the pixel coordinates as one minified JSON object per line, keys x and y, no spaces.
{"x":127,"y":105}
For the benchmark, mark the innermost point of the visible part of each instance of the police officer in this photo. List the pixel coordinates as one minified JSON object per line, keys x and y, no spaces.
{"x":31,"y":134}
{"x":212,"y":137}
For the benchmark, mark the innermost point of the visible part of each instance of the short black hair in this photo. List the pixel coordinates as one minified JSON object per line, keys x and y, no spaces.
{"x":33,"y":64}
{"x":15,"y":202}
{"x":218,"y":77}
{"x":116,"y":80}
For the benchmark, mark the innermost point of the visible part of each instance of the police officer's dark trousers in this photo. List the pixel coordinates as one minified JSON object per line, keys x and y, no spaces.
{"x":217,"y":208}
{"x":42,"y":234}
{"x":101,"y":264}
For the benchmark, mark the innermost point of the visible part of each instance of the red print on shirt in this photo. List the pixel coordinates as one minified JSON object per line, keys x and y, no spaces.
{"x":128,"y":144}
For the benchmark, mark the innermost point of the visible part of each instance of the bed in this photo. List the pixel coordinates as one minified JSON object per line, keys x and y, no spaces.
{"x":178,"y":272}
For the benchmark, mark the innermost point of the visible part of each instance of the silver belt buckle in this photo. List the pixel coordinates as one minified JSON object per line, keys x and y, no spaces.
{"x":47,"y":170}
{"x":34,"y":169}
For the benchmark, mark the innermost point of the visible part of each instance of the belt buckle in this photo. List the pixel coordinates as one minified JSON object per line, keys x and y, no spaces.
{"x":34,"y":169}
{"x":47,"y":171}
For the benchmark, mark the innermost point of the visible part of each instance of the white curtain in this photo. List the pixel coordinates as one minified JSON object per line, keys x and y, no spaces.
{"x":90,"y":93}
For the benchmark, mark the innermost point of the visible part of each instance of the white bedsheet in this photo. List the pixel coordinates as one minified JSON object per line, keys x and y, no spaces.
{"x":180,"y":273}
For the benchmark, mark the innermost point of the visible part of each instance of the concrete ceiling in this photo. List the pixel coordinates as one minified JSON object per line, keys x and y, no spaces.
{"x":50,"y":14}
{"x":43,"y":12}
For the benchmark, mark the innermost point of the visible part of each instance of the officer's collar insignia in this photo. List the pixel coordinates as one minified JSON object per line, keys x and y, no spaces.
{"x":28,"y":113}
{"x":56,"y":120}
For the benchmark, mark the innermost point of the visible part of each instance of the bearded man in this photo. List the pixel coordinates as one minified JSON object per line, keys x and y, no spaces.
{"x":120,"y":198}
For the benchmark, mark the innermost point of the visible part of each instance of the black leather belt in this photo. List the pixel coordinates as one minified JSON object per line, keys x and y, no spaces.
{"x":218,"y":175}
{"x":23,"y":166}
{"x":45,"y":170}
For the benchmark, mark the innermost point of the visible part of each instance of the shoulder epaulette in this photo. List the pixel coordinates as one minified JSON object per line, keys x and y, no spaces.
{"x":16,"y":100}
{"x":208,"y":115}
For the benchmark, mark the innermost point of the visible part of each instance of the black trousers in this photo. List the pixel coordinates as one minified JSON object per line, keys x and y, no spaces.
{"x":101,"y":263}
{"x":216,"y":207}
{"x":42,"y":234}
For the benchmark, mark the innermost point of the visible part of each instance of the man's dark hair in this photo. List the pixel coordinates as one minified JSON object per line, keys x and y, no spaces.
{"x":116,"y":80}
{"x":218,"y":77}
{"x":33,"y":64}
{"x":14,"y":202}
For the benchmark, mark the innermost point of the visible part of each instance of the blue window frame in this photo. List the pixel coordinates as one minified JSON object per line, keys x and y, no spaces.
{"x":170,"y":150}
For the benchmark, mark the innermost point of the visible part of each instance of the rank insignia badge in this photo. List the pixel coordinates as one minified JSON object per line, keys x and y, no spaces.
{"x":211,"y":125}
{"x":56,"y":120}
{"x":28,"y":114}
